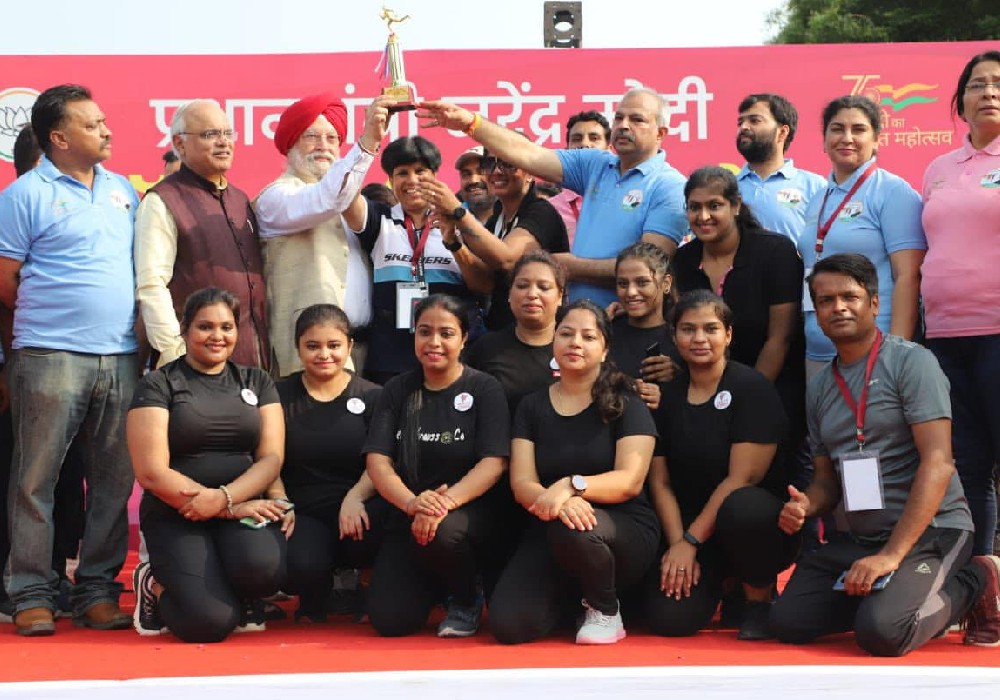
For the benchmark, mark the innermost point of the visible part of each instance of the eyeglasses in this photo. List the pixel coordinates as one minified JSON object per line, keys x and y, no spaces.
{"x":313,"y":137}
{"x":978,"y":87}
{"x":490,"y":164}
{"x":213,"y":134}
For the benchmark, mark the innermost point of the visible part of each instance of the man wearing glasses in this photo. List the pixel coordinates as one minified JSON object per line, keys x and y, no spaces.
{"x":308,"y":258}
{"x":194,"y":229}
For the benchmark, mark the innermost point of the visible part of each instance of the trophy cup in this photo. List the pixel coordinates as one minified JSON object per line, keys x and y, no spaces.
{"x":391,"y":66}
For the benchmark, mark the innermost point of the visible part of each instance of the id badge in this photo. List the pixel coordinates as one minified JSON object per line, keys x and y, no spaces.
{"x":861,"y":480}
{"x":807,"y":300}
{"x":408,"y":295}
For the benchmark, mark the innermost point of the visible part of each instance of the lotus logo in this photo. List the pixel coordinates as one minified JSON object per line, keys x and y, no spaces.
{"x":15,"y":112}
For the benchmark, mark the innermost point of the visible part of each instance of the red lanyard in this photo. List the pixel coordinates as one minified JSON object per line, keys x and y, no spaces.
{"x":821,"y":231}
{"x":418,"y":245}
{"x":861,"y":406}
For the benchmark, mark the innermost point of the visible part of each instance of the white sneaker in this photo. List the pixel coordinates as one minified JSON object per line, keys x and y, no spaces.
{"x":598,"y":628}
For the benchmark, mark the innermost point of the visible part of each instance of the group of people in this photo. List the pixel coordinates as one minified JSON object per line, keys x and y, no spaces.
{"x":575,"y":407}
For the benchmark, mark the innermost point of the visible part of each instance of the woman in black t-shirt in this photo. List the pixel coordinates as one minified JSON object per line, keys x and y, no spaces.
{"x":520,"y":355}
{"x":580,"y":453}
{"x":759,"y":275}
{"x":438,"y":443}
{"x":720,"y":423}
{"x":644,"y":346}
{"x":206,"y":439}
{"x":327,"y":413}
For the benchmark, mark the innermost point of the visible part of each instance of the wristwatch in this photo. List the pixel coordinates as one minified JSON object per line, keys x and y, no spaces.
{"x":457,"y":214}
{"x":579,"y":484}
{"x":453,"y":247}
{"x":691,"y":539}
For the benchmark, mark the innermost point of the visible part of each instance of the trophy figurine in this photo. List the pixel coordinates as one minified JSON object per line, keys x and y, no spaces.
{"x":391,"y":66}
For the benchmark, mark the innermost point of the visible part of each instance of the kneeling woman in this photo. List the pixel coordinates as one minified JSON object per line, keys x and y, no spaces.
{"x":720,"y":423}
{"x":206,"y":439}
{"x":579,"y":458}
{"x":338,"y":517}
{"x":437,"y":445}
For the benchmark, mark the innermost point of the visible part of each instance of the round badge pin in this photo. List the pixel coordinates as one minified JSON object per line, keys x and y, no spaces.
{"x":723,"y":399}
{"x":249,"y":397}
{"x":356,"y":406}
{"x":463,"y":402}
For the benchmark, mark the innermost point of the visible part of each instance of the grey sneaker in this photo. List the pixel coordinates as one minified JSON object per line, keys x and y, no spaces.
{"x":598,"y":628}
{"x":461,"y":620}
{"x":146,"y":617}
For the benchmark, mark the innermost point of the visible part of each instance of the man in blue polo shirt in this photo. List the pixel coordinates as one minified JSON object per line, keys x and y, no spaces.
{"x":66,"y":231}
{"x":776,"y":191}
{"x":629,"y":195}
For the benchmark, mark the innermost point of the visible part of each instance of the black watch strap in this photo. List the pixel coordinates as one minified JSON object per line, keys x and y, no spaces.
{"x":453,"y":247}
{"x":457,"y":214}
{"x":691,"y":539}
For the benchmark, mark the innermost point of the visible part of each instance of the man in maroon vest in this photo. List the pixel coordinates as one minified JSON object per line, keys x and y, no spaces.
{"x":195,"y":229}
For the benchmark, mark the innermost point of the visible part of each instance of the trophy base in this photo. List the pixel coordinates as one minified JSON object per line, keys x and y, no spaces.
{"x":403,"y":93}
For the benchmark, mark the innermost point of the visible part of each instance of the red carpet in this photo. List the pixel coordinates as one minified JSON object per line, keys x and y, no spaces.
{"x":344,"y":646}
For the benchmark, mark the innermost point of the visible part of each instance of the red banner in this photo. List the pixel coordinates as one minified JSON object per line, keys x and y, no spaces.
{"x":532,"y":90}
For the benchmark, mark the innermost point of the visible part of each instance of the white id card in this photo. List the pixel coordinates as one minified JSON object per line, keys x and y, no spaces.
{"x":861,"y":480}
{"x":807,"y":300}
{"x":408,"y":295}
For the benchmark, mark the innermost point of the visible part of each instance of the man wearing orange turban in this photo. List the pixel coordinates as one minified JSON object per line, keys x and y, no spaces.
{"x":308,"y":257}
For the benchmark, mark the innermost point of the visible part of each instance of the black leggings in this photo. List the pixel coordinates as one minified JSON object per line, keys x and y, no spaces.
{"x":746,"y":544}
{"x":207,"y":568}
{"x":408,"y":579}
{"x":315,"y":551}
{"x":553,"y":563}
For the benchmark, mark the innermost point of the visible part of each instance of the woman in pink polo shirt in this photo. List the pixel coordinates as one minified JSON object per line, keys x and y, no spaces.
{"x":961,"y":285}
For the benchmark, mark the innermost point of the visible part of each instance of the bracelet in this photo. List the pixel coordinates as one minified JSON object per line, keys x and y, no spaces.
{"x":371,"y":153}
{"x":229,"y":500}
{"x":477,"y":120}
{"x":691,"y":539}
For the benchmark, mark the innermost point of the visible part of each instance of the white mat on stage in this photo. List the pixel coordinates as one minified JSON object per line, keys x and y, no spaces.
{"x":702,"y":682}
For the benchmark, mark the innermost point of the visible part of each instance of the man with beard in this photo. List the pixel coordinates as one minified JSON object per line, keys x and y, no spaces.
{"x":194,"y":229}
{"x":776,"y":191}
{"x":629,"y":195}
{"x":473,"y":185}
{"x":583,"y":130}
{"x":308,"y":257}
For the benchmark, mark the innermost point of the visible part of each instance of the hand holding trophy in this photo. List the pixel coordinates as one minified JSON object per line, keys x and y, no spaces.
{"x":392,"y":68}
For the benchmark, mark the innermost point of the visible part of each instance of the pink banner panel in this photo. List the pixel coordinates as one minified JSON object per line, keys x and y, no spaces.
{"x":532,"y":90}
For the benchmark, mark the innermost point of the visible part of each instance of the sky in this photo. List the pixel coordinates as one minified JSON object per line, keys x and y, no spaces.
{"x":313,"y":26}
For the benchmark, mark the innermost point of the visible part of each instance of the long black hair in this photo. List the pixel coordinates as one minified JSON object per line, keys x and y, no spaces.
{"x":612,"y":387}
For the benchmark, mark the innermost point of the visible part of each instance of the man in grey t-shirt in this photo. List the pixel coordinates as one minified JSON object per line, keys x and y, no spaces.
{"x":880,"y":427}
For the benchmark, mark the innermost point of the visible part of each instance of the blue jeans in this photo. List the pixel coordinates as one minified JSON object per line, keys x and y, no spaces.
{"x":972,"y":365}
{"x":59,"y":397}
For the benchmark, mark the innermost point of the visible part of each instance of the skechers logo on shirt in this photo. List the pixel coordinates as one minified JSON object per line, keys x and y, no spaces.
{"x":405,"y":257}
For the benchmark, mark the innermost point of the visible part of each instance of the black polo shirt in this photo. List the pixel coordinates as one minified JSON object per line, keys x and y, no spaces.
{"x":541,"y":220}
{"x":766,"y":271}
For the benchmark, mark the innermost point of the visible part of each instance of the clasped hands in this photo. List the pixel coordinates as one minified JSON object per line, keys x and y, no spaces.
{"x":560,"y":501}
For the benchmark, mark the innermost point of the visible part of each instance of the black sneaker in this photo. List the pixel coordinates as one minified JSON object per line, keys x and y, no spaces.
{"x":755,"y":626}
{"x":252,"y":617}
{"x":146,"y":618}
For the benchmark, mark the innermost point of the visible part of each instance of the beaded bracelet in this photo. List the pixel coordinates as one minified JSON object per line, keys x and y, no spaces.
{"x":229,"y":500}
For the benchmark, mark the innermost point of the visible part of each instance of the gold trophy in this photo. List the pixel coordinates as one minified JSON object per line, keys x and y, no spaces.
{"x":391,"y":66}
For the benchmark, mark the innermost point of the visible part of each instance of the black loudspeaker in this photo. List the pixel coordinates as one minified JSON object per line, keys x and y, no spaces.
{"x":563,"y":25}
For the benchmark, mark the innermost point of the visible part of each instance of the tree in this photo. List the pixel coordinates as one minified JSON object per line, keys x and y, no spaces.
{"x":863,"y":21}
